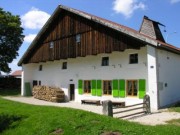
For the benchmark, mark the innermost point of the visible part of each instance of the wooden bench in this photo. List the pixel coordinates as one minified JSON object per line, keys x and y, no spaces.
{"x":118,"y":104}
{"x":87,"y":101}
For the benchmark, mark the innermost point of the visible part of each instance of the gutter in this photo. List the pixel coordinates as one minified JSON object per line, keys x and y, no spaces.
{"x":168,"y":48}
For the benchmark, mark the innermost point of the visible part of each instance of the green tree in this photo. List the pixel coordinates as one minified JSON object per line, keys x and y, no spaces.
{"x":11,"y":38}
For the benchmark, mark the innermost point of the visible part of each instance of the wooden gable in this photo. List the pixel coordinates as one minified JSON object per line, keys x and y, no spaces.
{"x":58,"y":41}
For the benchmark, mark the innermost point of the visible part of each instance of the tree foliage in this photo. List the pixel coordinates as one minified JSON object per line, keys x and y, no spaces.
{"x":11,"y":38}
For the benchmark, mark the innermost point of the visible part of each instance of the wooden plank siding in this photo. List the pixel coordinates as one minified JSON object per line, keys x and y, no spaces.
{"x":95,"y":39}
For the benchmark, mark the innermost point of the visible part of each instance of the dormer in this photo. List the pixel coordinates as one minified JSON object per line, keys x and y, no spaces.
{"x":151,"y":28}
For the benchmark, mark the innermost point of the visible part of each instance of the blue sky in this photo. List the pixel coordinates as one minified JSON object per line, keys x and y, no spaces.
{"x":34,"y":13}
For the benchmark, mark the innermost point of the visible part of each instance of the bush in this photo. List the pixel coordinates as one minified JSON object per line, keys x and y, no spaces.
{"x":14,"y":83}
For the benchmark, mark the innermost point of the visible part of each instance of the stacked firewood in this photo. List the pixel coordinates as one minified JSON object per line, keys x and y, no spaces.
{"x":47,"y":93}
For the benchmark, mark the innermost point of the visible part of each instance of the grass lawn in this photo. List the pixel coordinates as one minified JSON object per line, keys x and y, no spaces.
{"x":175,"y":108}
{"x":19,"y":119}
{"x":23,"y":119}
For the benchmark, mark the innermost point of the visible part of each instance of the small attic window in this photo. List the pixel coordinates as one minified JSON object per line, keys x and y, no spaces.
{"x":51,"y":45}
{"x":78,"y":38}
{"x":64,"y":65}
{"x":105,"y":61}
{"x":40,"y":67}
{"x":133,"y":58}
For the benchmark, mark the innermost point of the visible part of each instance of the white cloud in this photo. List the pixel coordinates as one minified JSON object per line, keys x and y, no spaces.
{"x":127,"y":7}
{"x":34,"y":19}
{"x":174,"y":1}
{"x":29,"y":38}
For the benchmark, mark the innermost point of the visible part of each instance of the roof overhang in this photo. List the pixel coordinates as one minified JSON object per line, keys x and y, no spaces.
{"x":123,"y":29}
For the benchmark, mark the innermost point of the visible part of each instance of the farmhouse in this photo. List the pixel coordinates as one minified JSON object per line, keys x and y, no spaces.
{"x":92,"y":58}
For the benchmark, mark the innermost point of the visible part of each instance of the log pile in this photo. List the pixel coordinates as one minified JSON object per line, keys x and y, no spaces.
{"x":47,"y":93}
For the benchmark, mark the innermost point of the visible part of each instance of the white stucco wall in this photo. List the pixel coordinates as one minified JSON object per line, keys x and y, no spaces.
{"x":88,"y":68}
{"x":152,"y":76}
{"x":169,"y":77}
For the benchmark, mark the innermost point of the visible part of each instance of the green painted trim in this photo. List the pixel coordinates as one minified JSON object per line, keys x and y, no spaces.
{"x":115,"y":88}
{"x":99,"y":87}
{"x":122,"y":88}
{"x":80,"y":87}
{"x":142,"y":88}
{"x":93,"y":87}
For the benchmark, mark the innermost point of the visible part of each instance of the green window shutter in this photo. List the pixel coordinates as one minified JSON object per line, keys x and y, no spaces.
{"x":122,"y":88}
{"x":93,"y":87}
{"x":115,"y":88}
{"x":142,"y":88}
{"x":99,"y":88}
{"x":80,"y":87}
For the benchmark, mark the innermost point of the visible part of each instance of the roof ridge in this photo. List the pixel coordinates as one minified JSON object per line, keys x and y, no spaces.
{"x":94,"y":16}
{"x":113,"y":25}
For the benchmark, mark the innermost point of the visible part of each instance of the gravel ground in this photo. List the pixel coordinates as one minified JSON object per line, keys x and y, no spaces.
{"x":156,"y":118}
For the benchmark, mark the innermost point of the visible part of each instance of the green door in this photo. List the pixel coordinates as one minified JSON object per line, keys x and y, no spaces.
{"x":27,"y":89}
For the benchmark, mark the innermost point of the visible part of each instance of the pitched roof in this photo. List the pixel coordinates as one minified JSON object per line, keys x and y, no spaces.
{"x":123,"y":29}
{"x":16,"y":73}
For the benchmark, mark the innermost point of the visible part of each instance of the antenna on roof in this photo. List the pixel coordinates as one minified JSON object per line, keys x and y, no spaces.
{"x":165,"y":29}
{"x":161,"y":24}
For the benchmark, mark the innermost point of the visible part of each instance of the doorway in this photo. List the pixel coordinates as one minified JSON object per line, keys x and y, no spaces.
{"x":72,"y":95}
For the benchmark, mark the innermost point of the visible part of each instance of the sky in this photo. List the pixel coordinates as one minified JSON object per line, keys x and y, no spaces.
{"x":34,"y":14}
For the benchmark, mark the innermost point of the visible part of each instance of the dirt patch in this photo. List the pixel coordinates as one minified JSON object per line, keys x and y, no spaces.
{"x":57,"y":132}
{"x":175,"y":122}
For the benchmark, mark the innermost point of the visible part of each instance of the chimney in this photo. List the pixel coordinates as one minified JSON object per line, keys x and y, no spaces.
{"x":151,"y":28}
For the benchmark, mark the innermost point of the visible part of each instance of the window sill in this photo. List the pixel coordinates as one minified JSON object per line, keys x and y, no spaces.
{"x":104,"y":65}
{"x":133,"y":65}
{"x":106,"y":95}
{"x":86,"y":93}
{"x":131,"y":96}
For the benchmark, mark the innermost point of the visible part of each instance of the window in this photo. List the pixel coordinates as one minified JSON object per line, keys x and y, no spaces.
{"x":78,"y":38}
{"x":133,"y":58}
{"x":35,"y":83}
{"x":40,"y":83}
{"x":40,"y":67}
{"x":105,"y":61}
{"x":107,"y":87}
{"x":132,"y":87}
{"x":51,"y":45}
{"x":64,"y":65}
{"x":87,"y":86}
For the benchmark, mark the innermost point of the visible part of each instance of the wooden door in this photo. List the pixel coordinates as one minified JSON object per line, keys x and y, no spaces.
{"x":72,"y":93}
